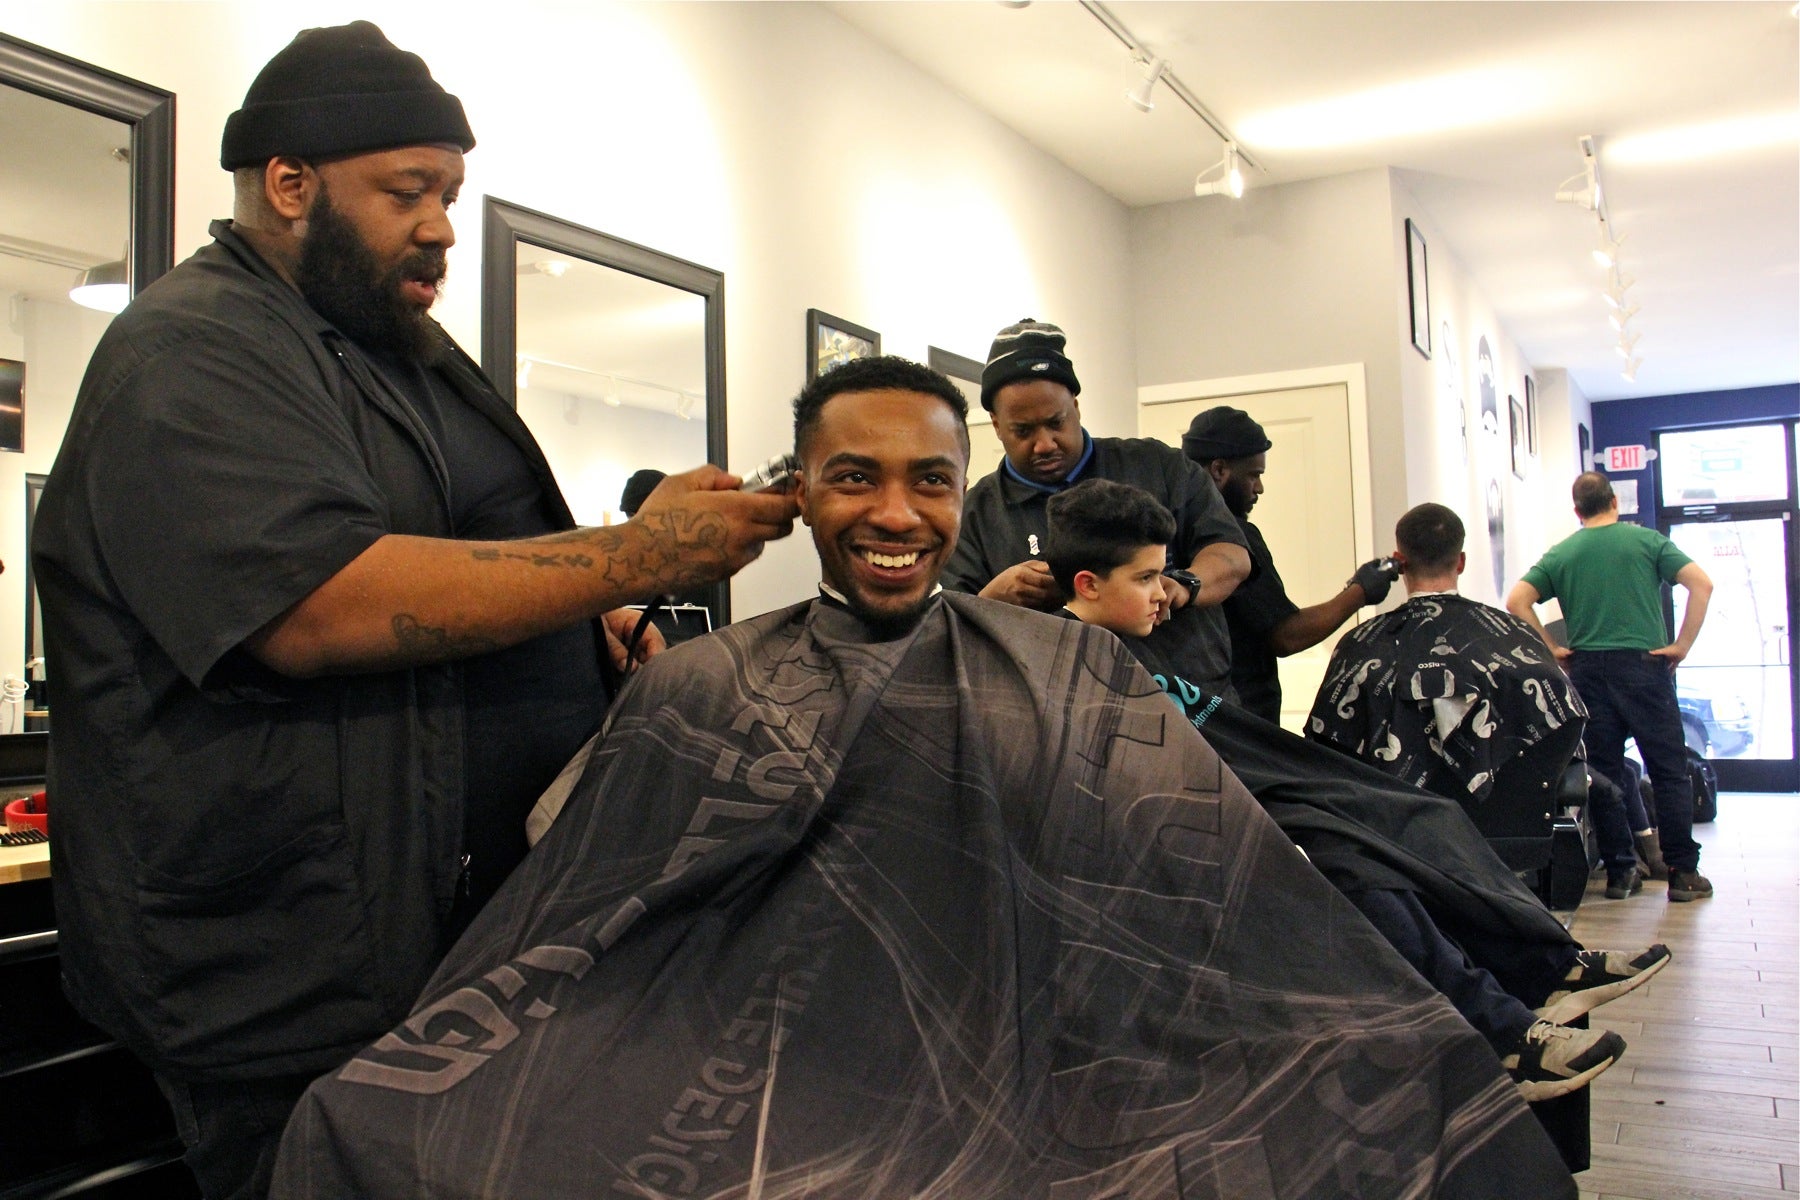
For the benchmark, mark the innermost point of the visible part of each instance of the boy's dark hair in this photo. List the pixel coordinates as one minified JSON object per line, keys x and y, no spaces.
{"x":1100,"y":525}
{"x":881,"y":373}
{"x":1430,"y":536}
{"x":1592,"y":493}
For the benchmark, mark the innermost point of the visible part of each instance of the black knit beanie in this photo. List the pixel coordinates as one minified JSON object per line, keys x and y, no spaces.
{"x":1223,"y":432}
{"x":1028,"y":350}
{"x":342,"y":89}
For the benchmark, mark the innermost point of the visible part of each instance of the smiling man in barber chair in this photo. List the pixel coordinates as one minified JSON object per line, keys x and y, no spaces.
{"x":321,"y":625}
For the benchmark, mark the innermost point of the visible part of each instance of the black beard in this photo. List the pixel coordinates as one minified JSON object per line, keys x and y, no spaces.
{"x":342,"y":280}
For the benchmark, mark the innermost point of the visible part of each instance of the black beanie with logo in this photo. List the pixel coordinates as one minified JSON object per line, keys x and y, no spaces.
{"x":1027,"y":350}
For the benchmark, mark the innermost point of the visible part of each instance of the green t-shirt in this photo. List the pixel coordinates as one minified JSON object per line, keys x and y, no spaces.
{"x":1609,"y":579}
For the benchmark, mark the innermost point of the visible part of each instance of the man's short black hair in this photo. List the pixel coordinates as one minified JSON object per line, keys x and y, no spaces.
{"x":1099,"y":525}
{"x":1592,"y":493}
{"x":1430,"y":536}
{"x":885,"y":372}
{"x":638,"y":489}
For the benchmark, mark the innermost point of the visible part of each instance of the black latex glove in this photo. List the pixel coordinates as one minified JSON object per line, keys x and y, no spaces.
{"x":1375,"y":577}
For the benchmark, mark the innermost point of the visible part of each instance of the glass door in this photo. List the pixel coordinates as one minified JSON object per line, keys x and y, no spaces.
{"x":1726,"y":497}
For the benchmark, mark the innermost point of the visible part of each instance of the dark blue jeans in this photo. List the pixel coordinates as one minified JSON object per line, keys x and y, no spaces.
{"x":1630,"y":694}
{"x":1498,"y":1008}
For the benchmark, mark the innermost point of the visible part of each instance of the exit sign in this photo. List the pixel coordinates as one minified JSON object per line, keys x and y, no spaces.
{"x":1628,"y":458}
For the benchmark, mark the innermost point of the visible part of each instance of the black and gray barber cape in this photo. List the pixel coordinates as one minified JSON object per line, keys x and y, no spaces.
{"x":1446,"y":693}
{"x":970,"y":912}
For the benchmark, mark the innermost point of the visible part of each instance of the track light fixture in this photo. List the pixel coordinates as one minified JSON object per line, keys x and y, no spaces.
{"x":1627,"y":343}
{"x":1629,"y":373}
{"x":1587,"y":195}
{"x":1616,"y":287}
{"x":1230,"y":181}
{"x":1158,"y":69}
{"x":1619,"y":317}
{"x":1606,"y":250}
{"x":1140,"y":96}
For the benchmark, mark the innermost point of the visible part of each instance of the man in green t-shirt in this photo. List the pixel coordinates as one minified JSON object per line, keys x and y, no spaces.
{"x":1608,"y":577}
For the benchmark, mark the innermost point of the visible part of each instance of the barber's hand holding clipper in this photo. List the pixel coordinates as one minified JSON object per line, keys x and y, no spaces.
{"x":702,"y":526}
{"x":1376,"y":577}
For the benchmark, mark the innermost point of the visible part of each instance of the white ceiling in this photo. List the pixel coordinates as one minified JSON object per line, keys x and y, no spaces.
{"x":65,"y":195}
{"x":1495,"y":95}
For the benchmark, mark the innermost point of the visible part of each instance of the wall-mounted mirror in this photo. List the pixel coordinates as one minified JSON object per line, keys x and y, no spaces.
{"x":87,"y":196}
{"x":613,"y":353}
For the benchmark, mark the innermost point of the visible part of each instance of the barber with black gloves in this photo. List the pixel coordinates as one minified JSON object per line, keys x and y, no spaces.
{"x":1265,"y":625}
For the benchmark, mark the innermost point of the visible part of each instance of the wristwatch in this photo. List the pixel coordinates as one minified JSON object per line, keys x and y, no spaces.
{"x":1186,"y":579}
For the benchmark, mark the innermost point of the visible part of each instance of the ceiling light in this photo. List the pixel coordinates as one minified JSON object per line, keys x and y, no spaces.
{"x":1230,"y":181}
{"x":1627,"y":343}
{"x":1588,"y":194}
{"x":1629,"y":373}
{"x":1606,"y":251}
{"x":1619,"y":316}
{"x":1710,"y":140}
{"x":1616,"y":286}
{"x":1140,"y":95}
{"x":105,"y":288}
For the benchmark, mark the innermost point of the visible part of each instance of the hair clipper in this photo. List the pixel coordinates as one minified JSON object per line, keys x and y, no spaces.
{"x":776,"y":475}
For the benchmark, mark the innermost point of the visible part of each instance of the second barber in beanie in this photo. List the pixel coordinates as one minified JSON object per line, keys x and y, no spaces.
{"x":1265,"y":623}
{"x":1223,"y":432}
{"x":343,"y":89}
{"x":1027,"y":350}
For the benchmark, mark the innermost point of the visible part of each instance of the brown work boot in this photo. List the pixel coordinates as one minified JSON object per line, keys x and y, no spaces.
{"x":1689,"y":885}
{"x":1649,"y":853}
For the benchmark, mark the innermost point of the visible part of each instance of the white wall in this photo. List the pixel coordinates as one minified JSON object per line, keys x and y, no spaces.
{"x":1441,"y":464}
{"x":53,"y":339}
{"x":1310,"y":274}
{"x":770,"y":141}
{"x":1288,"y":278}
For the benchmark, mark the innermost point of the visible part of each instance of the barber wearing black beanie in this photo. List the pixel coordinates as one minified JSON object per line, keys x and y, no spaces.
{"x":1030,"y":387}
{"x":1265,"y":625}
{"x":323,"y":626}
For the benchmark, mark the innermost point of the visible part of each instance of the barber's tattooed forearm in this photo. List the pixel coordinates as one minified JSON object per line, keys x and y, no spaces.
{"x":686,"y":548}
{"x":433,"y":642}
{"x":536,"y":558}
{"x":675,"y":548}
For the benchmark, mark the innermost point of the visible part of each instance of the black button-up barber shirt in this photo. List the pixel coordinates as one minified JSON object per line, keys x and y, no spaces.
{"x":1004,"y":522}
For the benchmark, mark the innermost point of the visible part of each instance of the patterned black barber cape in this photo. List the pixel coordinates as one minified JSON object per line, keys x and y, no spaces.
{"x":1446,"y":692}
{"x":971,"y":913}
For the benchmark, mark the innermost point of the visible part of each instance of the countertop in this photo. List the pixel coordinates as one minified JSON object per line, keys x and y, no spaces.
{"x":19,"y":863}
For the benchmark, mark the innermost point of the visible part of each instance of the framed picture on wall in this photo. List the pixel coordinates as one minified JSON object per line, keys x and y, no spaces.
{"x":1586,"y":443}
{"x":1531,"y":420}
{"x":965,"y":372}
{"x":1418,"y":289}
{"x":832,"y":341}
{"x":12,"y":405}
{"x":1519,"y":451}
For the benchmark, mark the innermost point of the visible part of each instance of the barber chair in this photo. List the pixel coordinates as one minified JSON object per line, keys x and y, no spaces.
{"x":1535,"y":818}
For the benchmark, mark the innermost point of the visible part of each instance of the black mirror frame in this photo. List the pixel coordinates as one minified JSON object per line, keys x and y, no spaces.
{"x":150,"y":114}
{"x":149,"y":111}
{"x":504,"y":225}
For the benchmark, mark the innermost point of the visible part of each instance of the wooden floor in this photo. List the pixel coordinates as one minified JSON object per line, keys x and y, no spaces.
{"x":1704,"y":1102}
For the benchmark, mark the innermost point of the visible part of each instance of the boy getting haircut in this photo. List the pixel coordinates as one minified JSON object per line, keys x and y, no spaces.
{"x":1099,"y":526}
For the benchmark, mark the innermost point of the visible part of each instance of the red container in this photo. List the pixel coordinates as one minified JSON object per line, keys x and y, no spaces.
{"x":29,"y":812}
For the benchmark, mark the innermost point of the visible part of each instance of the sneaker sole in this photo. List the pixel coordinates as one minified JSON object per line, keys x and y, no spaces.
{"x":1549,"y":1089}
{"x":1576,"y":1003}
